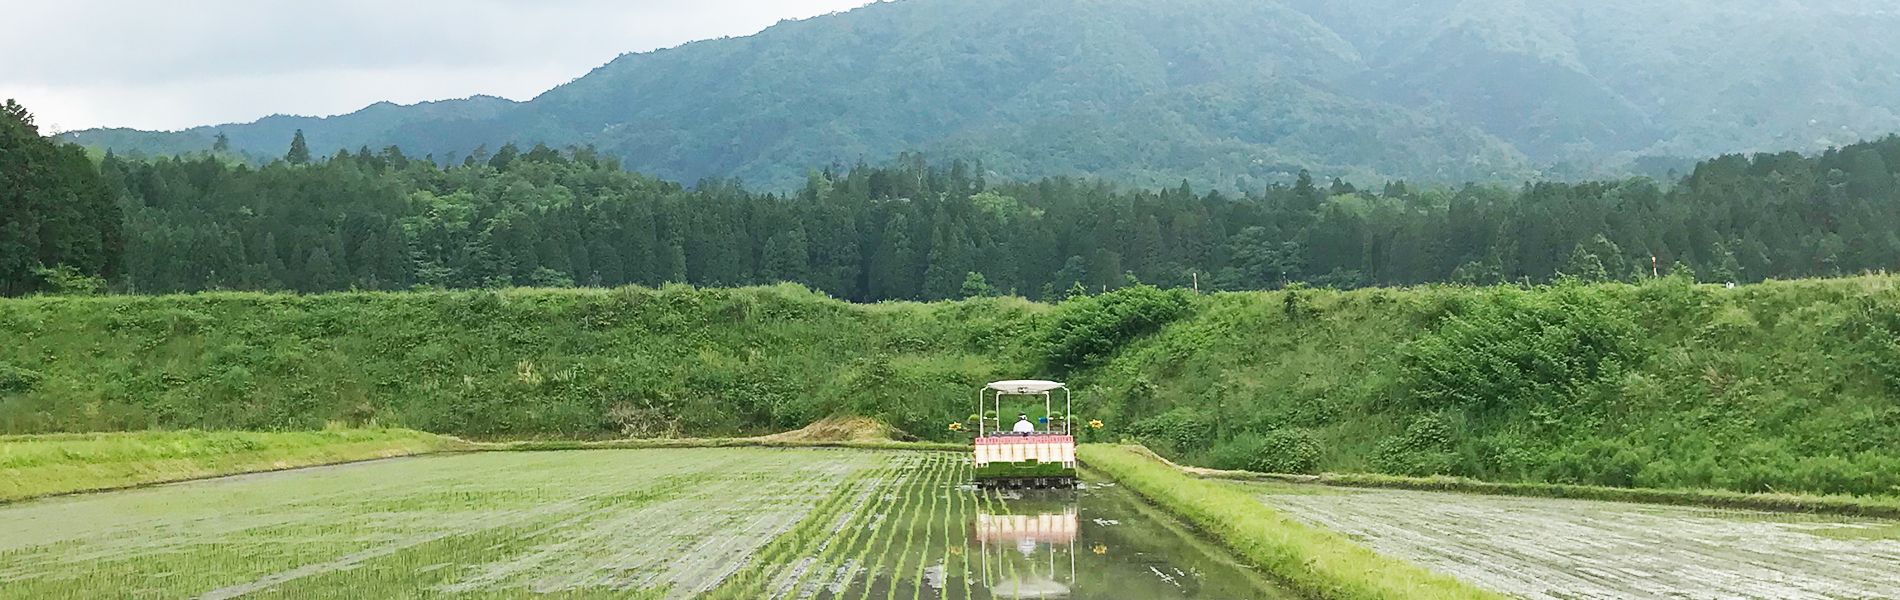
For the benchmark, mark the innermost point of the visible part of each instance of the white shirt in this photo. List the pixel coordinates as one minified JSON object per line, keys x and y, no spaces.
{"x":1024,"y":426}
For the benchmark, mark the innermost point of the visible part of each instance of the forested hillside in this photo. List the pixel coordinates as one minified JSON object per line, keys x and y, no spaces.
{"x":909,"y":230}
{"x":58,"y":220}
{"x":1228,"y":94}
{"x":916,"y":231}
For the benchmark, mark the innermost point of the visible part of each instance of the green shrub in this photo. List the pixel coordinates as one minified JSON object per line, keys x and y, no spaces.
{"x":1519,"y":349}
{"x":1179,"y":430}
{"x":1597,"y":462}
{"x":1279,"y":451}
{"x":1087,"y":330}
{"x":17,"y":380}
{"x":1424,"y":449}
{"x":1871,"y":332}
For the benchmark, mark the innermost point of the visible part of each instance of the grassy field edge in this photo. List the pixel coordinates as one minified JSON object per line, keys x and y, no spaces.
{"x":39,"y":466}
{"x":1852,"y":506}
{"x":1884,"y":507}
{"x":1316,"y":562}
{"x":640,"y":444}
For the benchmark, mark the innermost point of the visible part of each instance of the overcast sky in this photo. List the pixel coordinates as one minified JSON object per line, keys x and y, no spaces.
{"x":77,"y":64}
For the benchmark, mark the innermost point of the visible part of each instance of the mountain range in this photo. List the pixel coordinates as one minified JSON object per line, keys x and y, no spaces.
{"x":1224,"y":93}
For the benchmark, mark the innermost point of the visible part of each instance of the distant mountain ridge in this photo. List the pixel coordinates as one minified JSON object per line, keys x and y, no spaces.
{"x":1229,"y":93}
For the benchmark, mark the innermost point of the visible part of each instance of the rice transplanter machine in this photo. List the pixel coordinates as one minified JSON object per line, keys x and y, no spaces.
{"x":1033,"y":454}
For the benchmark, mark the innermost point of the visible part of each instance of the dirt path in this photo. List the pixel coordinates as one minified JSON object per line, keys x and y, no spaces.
{"x":1570,"y":549}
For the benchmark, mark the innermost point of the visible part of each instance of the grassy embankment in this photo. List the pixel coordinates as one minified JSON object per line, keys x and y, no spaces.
{"x":41,"y":465}
{"x":1887,"y":507}
{"x":515,"y":364}
{"x":1777,"y":387}
{"x":1316,"y":562}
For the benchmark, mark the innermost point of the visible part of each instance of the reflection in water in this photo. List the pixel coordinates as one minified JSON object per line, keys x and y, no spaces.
{"x":1096,"y":542}
{"x":1044,"y":552}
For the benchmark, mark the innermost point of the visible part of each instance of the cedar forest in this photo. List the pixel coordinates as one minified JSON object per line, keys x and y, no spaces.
{"x":912,"y":230}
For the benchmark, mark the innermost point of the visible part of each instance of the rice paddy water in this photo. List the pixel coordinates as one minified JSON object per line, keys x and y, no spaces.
{"x":673,"y":523}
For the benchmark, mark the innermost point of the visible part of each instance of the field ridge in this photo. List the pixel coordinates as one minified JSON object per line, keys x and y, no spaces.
{"x":54,"y":465}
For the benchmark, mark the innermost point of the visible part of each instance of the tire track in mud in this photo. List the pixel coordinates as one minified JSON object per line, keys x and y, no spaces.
{"x":1554,"y":549}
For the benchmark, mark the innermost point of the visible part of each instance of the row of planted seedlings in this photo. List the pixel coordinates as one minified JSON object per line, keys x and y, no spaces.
{"x":875,"y":538}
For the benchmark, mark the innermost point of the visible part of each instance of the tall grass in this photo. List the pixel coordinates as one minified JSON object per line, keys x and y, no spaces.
{"x":638,"y":362}
{"x":1316,"y":562}
{"x":1777,"y":387}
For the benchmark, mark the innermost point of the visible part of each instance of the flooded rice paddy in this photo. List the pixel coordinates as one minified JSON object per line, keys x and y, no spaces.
{"x":1552,"y":549}
{"x":707,"y":523}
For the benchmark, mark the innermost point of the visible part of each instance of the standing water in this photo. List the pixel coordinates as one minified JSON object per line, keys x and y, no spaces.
{"x":1099,"y":541}
{"x":648,"y":524}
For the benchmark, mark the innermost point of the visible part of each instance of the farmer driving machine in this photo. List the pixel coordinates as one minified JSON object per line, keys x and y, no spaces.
{"x":1030,"y":454}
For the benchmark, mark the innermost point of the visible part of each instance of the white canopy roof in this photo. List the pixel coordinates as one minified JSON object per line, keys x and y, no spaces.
{"x":1025,"y":386}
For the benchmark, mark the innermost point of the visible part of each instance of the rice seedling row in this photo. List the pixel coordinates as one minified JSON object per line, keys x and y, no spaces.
{"x":904,"y":517}
{"x":723,"y":524}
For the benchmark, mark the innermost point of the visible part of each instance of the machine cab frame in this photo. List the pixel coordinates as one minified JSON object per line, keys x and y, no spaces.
{"x":1042,"y":458}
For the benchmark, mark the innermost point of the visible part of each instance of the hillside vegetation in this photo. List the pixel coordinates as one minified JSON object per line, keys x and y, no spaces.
{"x":907,"y":231}
{"x":1781,"y":386}
{"x":1225,"y":93}
{"x":585,"y":362}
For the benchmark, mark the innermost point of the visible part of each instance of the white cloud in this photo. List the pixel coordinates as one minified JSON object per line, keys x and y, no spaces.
{"x":149,"y":65}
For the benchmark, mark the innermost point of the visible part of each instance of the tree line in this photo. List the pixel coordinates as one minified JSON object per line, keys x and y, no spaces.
{"x":911,"y":230}
{"x":59,"y":223}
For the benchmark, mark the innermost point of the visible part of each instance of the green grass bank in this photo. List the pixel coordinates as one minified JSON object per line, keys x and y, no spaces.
{"x":1316,"y":562}
{"x":1777,"y":387}
{"x":1883,"y":507}
{"x":571,"y":364}
{"x":42,"y":465}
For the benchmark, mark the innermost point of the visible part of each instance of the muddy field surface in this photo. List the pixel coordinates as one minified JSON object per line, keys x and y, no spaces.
{"x":674,"y":523}
{"x":1569,"y":549}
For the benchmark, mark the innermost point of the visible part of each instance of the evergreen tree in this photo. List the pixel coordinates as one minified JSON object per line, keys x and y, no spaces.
{"x":1584,"y":265}
{"x":1868,"y":177}
{"x":299,"y":150}
{"x":949,"y":255}
{"x":319,"y":271}
{"x":786,"y":258}
{"x":1074,"y":274}
{"x":976,"y":286}
{"x":672,"y":263}
{"x":893,"y":265}
{"x":59,"y":221}
{"x":504,"y":157}
{"x":871,"y":233}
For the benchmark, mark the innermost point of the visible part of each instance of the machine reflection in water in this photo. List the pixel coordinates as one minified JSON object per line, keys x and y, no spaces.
{"x":1030,"y":555}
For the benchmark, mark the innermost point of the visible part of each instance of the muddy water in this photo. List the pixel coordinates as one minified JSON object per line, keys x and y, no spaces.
{"x":644,"y":524}
{"x":1095,"y":542}
{"x":1551,"y":549}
